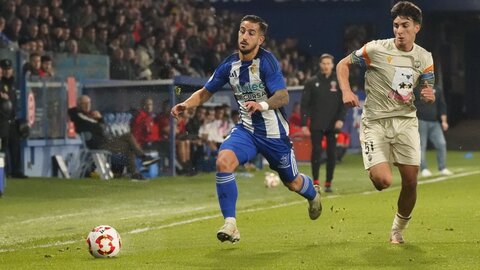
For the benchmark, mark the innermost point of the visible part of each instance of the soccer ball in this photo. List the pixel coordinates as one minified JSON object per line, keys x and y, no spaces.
{"x":104,"y":241}
{"x":271,"y":180}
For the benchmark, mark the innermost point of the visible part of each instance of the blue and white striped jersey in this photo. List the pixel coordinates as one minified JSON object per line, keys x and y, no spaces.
{"x":255,"y":80}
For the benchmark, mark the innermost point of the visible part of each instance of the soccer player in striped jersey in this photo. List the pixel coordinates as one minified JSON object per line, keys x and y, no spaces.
{"x":389,"y":130}
{"x":258,"y":85}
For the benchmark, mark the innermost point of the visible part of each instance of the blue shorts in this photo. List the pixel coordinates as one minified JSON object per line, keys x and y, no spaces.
{"x":278,"y":152}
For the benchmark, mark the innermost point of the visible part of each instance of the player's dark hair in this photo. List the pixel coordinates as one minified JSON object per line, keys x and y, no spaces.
{"x":255,"y":19}
{"x":408,"y":10}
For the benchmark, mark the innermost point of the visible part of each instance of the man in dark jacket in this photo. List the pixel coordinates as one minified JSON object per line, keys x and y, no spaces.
{"x":11,"y":140}
{"x":322,"y":102}
{"x":432,"y":122}
{"x":91,"y":124}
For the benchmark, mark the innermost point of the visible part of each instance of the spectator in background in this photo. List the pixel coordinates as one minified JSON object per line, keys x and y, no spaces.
{"x":64,"y":38}
{"x":32,"y":68}
{"x":131,"y":62}
{"x":146,"y":129}
{"x":77,"y":33}
{"x":40,"y":46}
{"x":92,"y":125}
{"x":5,"y":42}
{"x":142,"y":67}
{"x":35,"y":12}
{"x":72,"y":47}
{"x":44,"y":15}
{"x":24,"y":14}
{"x":196,"y":145}
{"x":203,"y":131}
{"x":87,"y":43}
{"x":31,"y":33}
{"x":214,"y":129}
{"x":9,"y":10}
{"x":46,"y":67}
{"x":85,"y":17}
{"x":432,"y":122}
{"x":13,"y":31}
{"x":295,"y":121}
{"x":322,"y":102}
{"x":44,"y":35}
{"x":58,"y":44}
{"x":119,"y":69}
{"x":183,"y":143}
{"x":12,"y":140}
{"x":102,"y":41}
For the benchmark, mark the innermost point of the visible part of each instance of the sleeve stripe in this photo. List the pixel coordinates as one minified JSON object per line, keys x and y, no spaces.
{"x":365,"y":55}
{"x":428,"y":69}
{"x":271,"y":61}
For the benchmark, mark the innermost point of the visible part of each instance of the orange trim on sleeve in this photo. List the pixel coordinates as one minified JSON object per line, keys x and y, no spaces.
{"x":365,"y":55}
{"x":428,"y":69}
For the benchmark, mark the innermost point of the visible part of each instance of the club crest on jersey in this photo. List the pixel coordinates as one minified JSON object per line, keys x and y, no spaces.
{"x":416,"y":63}
{"x":253,"y":68}
{"x":284,"y":162}
{"x":333,"y":86}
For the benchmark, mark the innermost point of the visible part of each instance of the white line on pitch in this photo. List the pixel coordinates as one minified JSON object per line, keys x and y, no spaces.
{"x":429,"y":181}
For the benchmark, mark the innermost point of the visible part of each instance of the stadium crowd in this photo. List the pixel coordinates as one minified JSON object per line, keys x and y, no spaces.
{"x":145,"y":39}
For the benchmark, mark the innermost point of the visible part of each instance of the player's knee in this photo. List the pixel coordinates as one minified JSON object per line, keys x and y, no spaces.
{"x":224,"y":164}
{"x":381,"y":182}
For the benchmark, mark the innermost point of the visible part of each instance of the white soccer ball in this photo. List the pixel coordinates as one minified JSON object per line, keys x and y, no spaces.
{"x":271,"y":180}
{"x":104,"y":241}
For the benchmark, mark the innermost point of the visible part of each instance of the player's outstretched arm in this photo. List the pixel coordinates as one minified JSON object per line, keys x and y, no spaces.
{"x":196,"y":99}
{"x":343,"y":73}
{"x":279,"y":99}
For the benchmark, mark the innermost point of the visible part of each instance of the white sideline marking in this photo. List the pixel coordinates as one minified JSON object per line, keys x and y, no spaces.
{"x":193,"y":220}
{"x":188,"y":221}
{"x":429,"y":181}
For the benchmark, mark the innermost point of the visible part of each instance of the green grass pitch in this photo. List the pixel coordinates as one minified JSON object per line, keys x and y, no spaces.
{"x":171,"y":223}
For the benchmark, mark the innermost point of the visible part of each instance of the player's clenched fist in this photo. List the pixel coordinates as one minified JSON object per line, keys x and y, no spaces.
{"x":427,"y":93}
{"x":252,"y":107}
{"x":350,"y":99}
{"x":178,"y":109}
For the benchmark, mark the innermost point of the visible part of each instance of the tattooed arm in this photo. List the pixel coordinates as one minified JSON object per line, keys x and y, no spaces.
{"x":279,"y":99}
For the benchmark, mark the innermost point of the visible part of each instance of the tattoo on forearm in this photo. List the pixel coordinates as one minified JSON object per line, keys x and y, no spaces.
{"x":279,"y":99}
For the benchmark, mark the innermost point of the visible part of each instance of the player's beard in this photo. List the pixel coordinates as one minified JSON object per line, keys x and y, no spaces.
{"x":246,"y":51}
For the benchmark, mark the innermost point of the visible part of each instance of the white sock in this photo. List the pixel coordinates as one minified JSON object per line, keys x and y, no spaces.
{"x":400,"y":222}
{"x":231,"y":220}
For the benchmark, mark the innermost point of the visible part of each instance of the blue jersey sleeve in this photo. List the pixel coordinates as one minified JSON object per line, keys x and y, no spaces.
{"x":273,"y":76}
{"x":219,"y":78}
